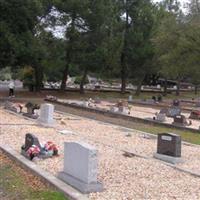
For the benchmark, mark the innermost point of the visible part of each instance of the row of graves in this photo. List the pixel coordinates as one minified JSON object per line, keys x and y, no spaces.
{"x":80,"y":167}
{"x":124,"y":108}
{"x":174,"y":112}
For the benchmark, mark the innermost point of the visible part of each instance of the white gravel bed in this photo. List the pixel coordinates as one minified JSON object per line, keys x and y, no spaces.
{"x":123,"y":178}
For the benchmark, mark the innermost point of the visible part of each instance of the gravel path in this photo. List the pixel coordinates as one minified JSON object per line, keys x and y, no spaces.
{"x":123,"y":177}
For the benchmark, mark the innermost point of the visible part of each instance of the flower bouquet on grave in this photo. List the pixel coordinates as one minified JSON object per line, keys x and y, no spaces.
{"x":51,"y":148}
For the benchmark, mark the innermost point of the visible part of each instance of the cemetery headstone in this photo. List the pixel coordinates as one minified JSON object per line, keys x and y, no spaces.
{"x":159,"y":98}
{"x":161,"y":117}
{"x":154,"y":98}
{"x":195,"y":114}
{"x":80,"y":167}
{"x":180,"y":120}
{"x":46,"y":114}
{"x":30,"y":140}
{"x":173,"y":111}
{"x":176,"y":102}
{"x":130,"y":98}
{"x":31,"y":110}
{"x":113,"y":109}
{"x":169,"y":148}
{"x":169,"y":144}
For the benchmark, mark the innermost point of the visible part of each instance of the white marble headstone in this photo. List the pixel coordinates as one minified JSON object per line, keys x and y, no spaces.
{"x":80,"y":161}
{"x":130,"y":98}
{"x":80,"y":167}
{"x":46,"y":114}
{"x":161,"y":117}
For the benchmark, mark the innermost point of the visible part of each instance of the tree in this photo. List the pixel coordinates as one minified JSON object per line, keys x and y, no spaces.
{"x":19,"y":43}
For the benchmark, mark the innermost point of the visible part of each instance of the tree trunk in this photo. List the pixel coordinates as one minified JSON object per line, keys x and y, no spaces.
{"x":165,"y":88}
{"x":69,"y":52}
{"x":83,"y":81}
{"x":139,"y":86}
{"x":38,"y":77}
{"x":123,"y":74}
{"x":178,"y":88}
{"x":138,"y":91}
{"x":124,"y":54}
{"x":64,"y":79}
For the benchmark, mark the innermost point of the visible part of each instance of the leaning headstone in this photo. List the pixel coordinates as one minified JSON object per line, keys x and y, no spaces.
{"x":80,"y":167}
{"x":169,"y":148}
{"x":46,"y":114}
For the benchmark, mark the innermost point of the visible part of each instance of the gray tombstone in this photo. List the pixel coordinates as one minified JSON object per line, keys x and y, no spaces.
{"x":173,"y":111}
{"x":130,"y":98}
{"x":30,"y":140}
{"x":80,"y":167}
{"x":46,"y":114}
{"x":161,"y":117}
{"x":113,"y":109}
{"x":169,"y":148}
{"x":163,"y":111}
{"x":180,"y":120}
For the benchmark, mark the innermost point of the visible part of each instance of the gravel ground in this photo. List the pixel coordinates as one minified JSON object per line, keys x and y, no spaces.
{"x":123,"y":177}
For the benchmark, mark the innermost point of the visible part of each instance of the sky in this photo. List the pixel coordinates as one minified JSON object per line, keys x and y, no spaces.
{"x":181,"y":1}
{"x":59,"y":30}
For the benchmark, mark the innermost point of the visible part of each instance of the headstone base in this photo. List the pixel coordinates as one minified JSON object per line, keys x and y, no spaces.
{"x":31,"y":116}
{"x":169,"y":159}
{"x":85,"y":188}
{"x":42,"y":156}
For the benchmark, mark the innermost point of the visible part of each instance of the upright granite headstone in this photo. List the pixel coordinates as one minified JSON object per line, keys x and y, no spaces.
{"x":180,"y":120}
{"x":169,"y":147}
{"x":173,"y":111}
{"x":30,"y":140}
{"x":46,"y":114}
{"x":80,"y":167}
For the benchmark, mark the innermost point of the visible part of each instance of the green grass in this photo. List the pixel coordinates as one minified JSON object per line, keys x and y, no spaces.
{"x":14,"y":187}
{"x":187,"y":136}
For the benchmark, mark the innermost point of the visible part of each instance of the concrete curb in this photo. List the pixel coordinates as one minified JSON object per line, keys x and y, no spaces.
{"x":45,"y":176}
{"x":122,"y":116}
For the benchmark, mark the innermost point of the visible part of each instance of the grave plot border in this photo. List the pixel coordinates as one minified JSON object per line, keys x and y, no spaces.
{"x":43,"y":175}
{"x":122,"y":116}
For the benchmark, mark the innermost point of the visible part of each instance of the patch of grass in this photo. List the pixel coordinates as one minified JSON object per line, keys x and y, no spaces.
{"x":187,"y":136}
{"x":14,"y":187}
